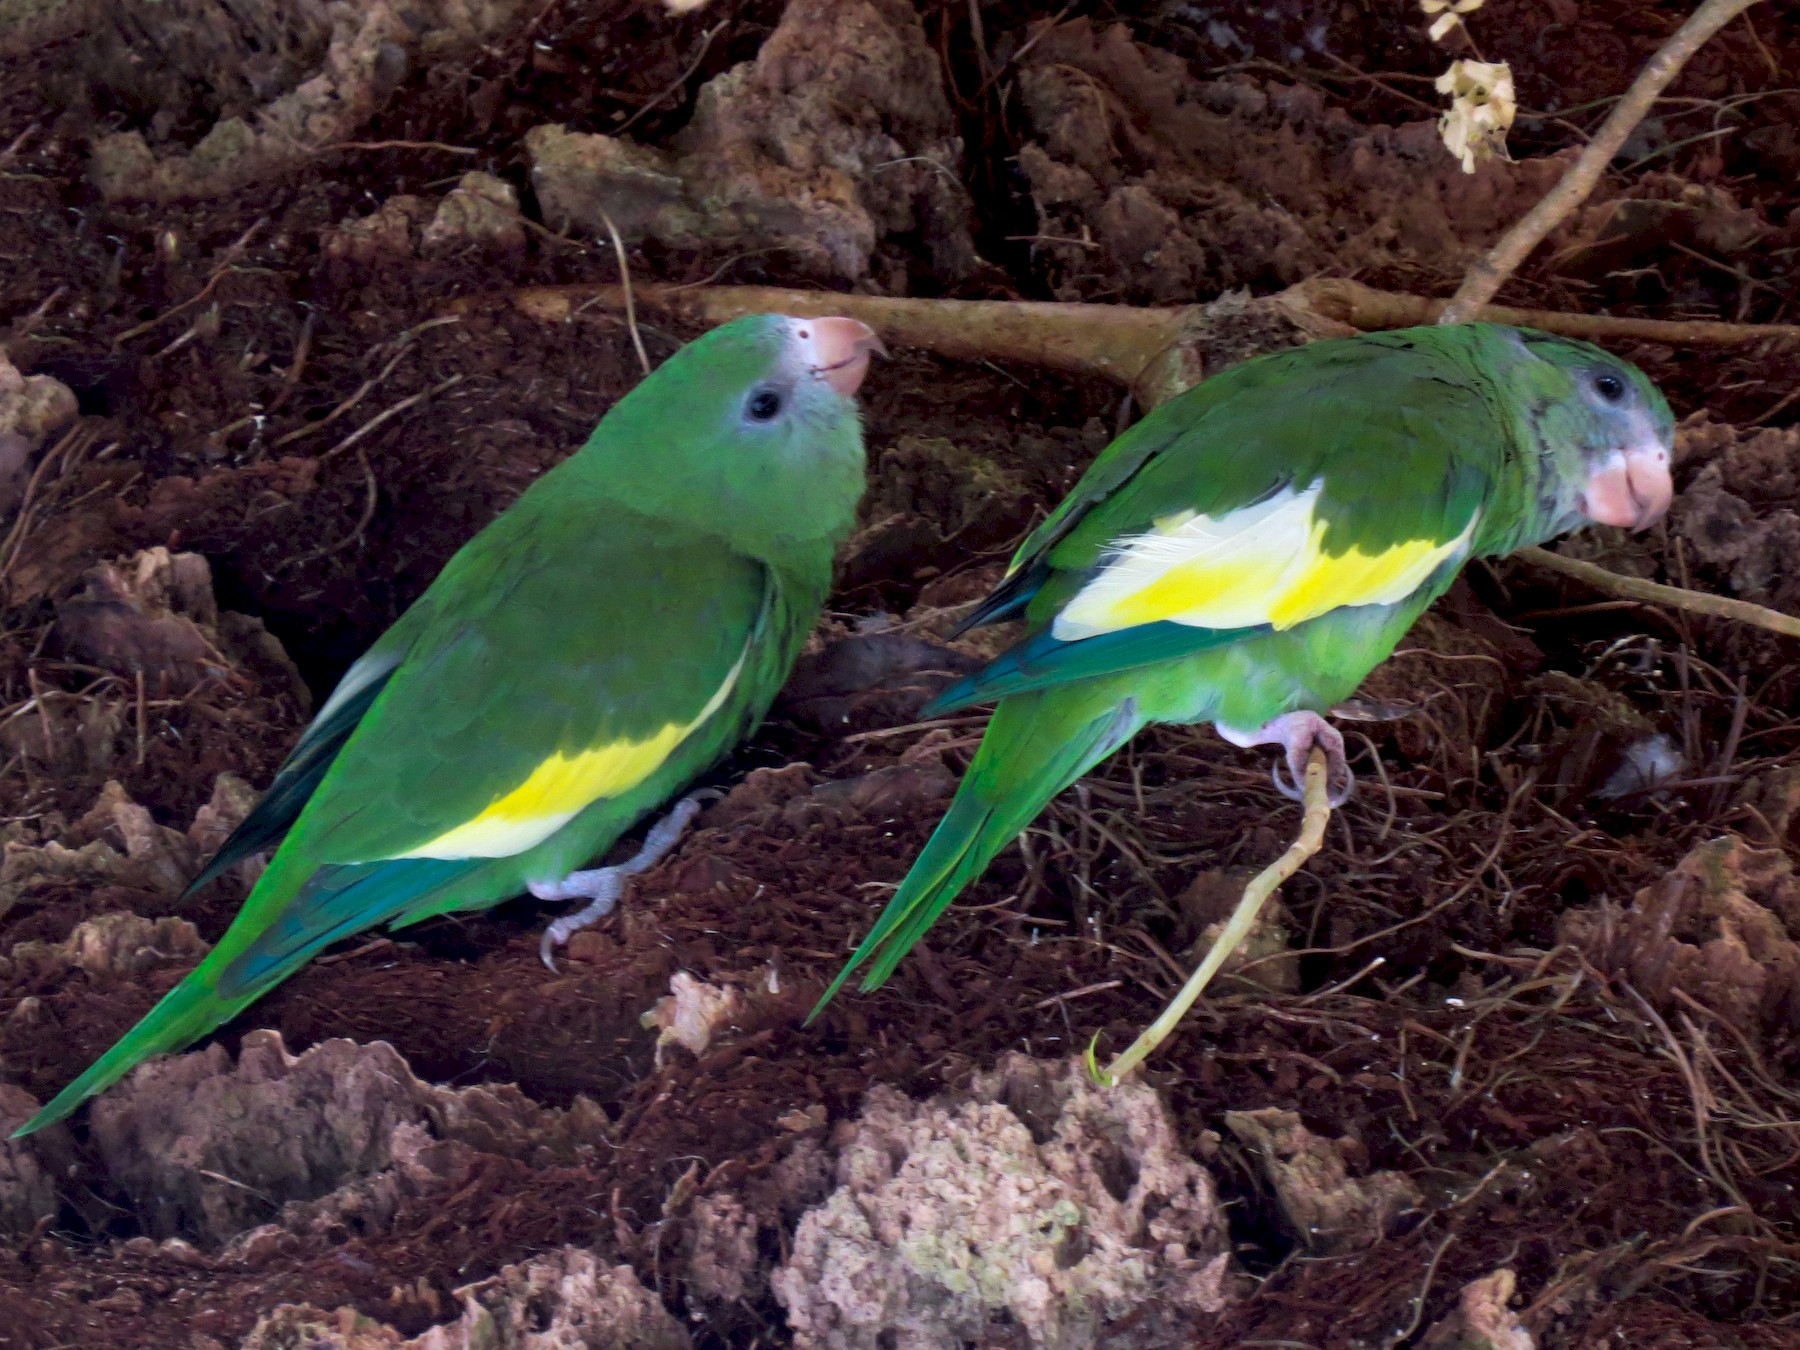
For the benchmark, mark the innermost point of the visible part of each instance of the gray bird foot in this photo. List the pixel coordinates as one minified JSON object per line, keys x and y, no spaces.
{"x":601,"y":887}
{"x":1297,"y":733}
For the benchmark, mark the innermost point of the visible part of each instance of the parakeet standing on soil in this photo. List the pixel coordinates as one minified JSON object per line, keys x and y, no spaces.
{"x":1253,"y":548}
{"x":604,"y":641}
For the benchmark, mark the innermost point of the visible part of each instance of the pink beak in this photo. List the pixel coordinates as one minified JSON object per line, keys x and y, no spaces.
{"x":838,"y":350}
{"x":1631,"y":487}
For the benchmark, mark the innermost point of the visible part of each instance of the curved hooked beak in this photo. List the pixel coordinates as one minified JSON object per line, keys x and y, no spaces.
{"x":838,"y":350}
{"x":1630,"y":487}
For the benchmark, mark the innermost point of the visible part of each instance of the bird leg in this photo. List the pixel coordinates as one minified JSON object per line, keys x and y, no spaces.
{"x":601,"y":887}
{"x":1297,"y":733}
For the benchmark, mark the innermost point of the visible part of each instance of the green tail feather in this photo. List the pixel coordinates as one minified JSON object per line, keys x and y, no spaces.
{"x":296,"y":910}
{"x":1035,"y":746}
{"x":186,"y":1013}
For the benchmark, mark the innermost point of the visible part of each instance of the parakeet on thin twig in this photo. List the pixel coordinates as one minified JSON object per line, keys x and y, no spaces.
{"x":1248,"y":552}
{"x":575,"y":666}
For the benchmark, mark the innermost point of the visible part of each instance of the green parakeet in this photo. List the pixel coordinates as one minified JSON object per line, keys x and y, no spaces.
{"x":1248,"y":552}
{"x":577,"y":664}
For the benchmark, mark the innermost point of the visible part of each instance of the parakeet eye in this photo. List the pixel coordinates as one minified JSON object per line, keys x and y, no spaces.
{"x":1609,"y":387}
{"x":763,"y":405}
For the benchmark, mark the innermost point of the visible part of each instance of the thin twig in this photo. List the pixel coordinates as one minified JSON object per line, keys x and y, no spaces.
{"x":388,"y":415}
{"x":1651,"y":592}
{"x":395,"y":145}
{"x":23,"y":328}
{"x":1487,"y":276}
{"x":637,"y":338}
{"x":405,"y":343}
{"x":296,"y":364}
{"x":8,"y":155}
{"x":706,"y":40}
{"x":141,"y":723}
{"x":1368,"y":309}
{"x":1316,"y":813}
{"x":1418,"y":1313}
{"x":1082,"y":992}
{"x":371,"y":495}
{"x":229,"y":261}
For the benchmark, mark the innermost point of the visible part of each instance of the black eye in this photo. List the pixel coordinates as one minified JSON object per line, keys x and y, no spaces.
{"x":764,"y":405}
{"x":1609,"y":387}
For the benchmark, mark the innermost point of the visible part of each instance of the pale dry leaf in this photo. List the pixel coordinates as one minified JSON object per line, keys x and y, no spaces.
{"x":1482,"y":107}
{"x":1449,"y":14}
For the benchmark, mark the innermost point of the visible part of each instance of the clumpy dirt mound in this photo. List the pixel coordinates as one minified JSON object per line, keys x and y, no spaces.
{"x":284,"y":82}
{"x":1739,"y":509}
{"x":1151,"y":186}
{"x":564,"y":1299}
{"x":835,"y":139}
{"x":1719,"y":931}
{"x":1156,"y":188}
{"x":1328,"y":1209}
{"x":1037,"y":1201}
{"x":207,"y":1149}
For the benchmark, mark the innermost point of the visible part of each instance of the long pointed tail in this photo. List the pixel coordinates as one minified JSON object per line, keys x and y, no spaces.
{"x":1035,"y":746}
{"x":296,"y":910}
{"x":186,"y":1013}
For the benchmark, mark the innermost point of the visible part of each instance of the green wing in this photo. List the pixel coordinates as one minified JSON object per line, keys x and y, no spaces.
{"x":1273,"y":493}
{"x":545,"y":674}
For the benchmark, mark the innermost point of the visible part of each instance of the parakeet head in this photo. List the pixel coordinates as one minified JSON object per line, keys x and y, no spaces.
{"x":1609,"y":429}
{"x":750,"y":431}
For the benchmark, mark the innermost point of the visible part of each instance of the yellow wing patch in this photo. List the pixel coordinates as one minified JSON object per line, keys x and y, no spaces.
{"x":1264,"y":564}
{"x":564,"y":785}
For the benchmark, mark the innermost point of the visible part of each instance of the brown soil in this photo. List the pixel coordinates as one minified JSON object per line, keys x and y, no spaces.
{"x":1514,"y":977}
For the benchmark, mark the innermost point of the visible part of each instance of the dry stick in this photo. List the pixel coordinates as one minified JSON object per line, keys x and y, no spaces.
{"x":1131,"y":345}
{"x":1368,"y":309}
{"x":637,"y":338}
{"x":394,"y":145}
{"x":1651,"y":592}
{"x":706,"y":41}
{"x":1487,"y":276}
{"x":296,"y":364}
{"x":1116,"y":341}
{"x":1125,"y":344}
{"x":228,"y":262}
{"x":1317,"y":812}
{"x":387,"y":415}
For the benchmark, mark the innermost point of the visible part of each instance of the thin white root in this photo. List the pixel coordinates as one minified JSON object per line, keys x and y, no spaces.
{"x":1317,"y":812}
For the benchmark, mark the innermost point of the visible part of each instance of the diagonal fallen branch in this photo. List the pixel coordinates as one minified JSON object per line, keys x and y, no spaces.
{"x":1155,"y":352}
{"x":1316,"y":813}
{"x":1367,"y":309}
{"x":1487,"y":276}
{"x":1651,"y":592}
{"x":1131,"y":346}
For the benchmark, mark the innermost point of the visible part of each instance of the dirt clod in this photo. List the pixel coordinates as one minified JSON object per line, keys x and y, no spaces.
{"x":27,"y":1185}
{"x":1482,"y":1319}
{"x":1329,"y":1210}
{"x":31,"y":407}
{"x":565,"y":1298}
{"x":209,"y":1148}
{"x":1038,"y":1199}
{"x":369,"y":51}
{"x":1721,"y":928}
{"x":834,"y":140}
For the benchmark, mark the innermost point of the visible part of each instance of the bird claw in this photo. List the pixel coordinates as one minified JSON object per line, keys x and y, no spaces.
{"x":1298,"y":733}
{"x":602,"y":887}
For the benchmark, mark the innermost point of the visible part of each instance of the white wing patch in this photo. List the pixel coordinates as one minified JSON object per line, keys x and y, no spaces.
{"x":1262,"y":565}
